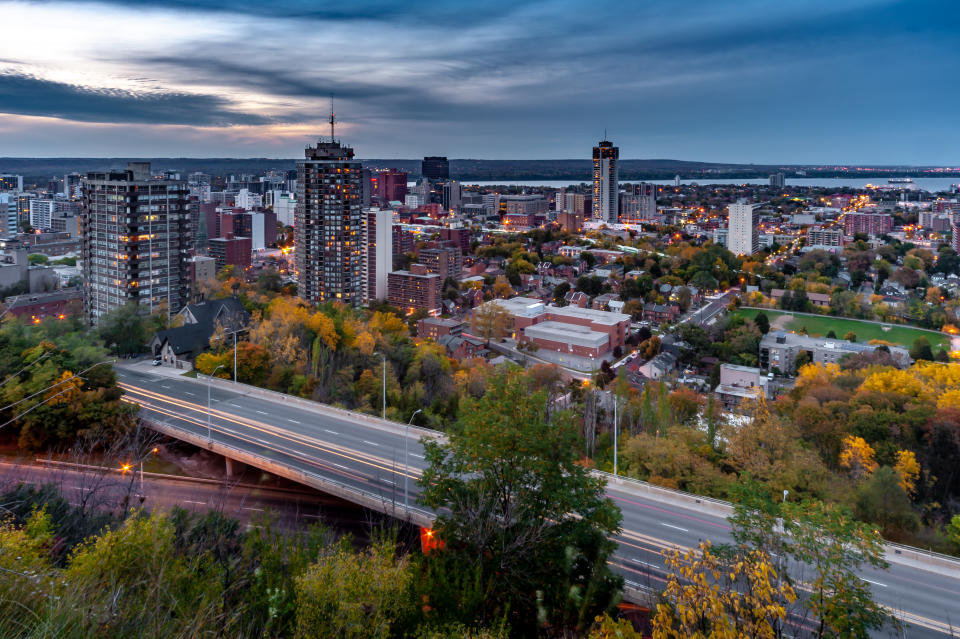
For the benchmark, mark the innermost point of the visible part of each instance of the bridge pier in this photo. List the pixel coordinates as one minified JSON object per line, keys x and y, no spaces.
{"x":234,"y":468}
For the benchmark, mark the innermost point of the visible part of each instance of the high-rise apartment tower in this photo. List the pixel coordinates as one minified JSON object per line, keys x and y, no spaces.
{"x":744,"y":231}
{"x":606,"y":182}
{"x":135,"y":235}
{"x":328,"y":228}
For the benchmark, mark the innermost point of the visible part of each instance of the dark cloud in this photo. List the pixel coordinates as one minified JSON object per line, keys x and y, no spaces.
{"x":28,"y":95}
{"x":435,"y":11}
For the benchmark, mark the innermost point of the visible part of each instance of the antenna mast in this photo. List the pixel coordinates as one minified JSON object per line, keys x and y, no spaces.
{"x":332,"y":120}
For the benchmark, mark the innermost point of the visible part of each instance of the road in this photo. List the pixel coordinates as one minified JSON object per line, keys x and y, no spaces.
{"x":703,"y":315}
{"x":363,"y":455}
{"x":94,"y":488}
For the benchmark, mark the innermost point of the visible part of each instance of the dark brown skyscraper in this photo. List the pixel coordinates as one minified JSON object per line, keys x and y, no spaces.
{"x":329,"y":225}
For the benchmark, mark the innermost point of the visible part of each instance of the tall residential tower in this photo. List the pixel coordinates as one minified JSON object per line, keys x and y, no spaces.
{"x":606,"y":182}
{"x":328,"y":227}
{"x":135,"y":236}
{"x":744,"y":231}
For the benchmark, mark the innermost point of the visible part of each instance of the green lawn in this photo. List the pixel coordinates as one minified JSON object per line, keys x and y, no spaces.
{"x":865,"y":331}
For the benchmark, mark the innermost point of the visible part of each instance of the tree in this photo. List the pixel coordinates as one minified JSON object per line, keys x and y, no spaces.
{"x":518,"y":516}
{"x":491,"y":321}
{"x":921,"y":349}
{"x":123,"y":330}
{"x":850,"y":336}
{"x":559,"y":293}
{"x":348,"y":594}
{"x":502,"y":289}
{"x":762,"y":322}
{"x":826,"y":540}
{"x":857,"y":457}
{"x":736,"y":596}
{"x":881,"y":500}
{"x":908,"y":469}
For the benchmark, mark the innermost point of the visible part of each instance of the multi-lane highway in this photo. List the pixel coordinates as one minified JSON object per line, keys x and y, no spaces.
{"x":358,"y":455}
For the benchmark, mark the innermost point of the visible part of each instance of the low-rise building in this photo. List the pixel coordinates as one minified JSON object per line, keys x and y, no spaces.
{"x":39,"y":306}
{"x":739,"y":384}
{"x":659,"y":313}
{"x":569,"y":329}
{"x":436,"y":327}
{"x":779,"y":350}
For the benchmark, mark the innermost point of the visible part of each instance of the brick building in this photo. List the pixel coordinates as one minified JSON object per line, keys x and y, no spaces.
{"x":234,"y":251}
{"x":869,"y":223}
{"x":414,"y":289}
{"x":578,"y":331}
{"x":445,"y":261}
{"x":435,"y":327}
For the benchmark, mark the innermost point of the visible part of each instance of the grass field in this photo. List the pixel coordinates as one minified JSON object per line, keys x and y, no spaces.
{"x":819,"y":326}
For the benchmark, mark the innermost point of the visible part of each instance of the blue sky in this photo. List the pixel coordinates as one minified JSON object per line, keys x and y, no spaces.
{"x":812,"y":81}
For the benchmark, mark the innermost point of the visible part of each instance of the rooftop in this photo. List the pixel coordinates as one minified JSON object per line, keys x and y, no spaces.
{"x":567,"y":334}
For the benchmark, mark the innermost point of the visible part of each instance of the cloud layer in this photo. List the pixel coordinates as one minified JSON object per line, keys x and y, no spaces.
{"x":749,"y":80}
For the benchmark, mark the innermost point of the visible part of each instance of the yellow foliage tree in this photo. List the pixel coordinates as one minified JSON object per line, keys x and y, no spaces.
{"x":857,"y":456}
{"x":710,"y":598}
{"x":909,"y":470}
{"x":608,"y":628}
{"x":817,"y":375}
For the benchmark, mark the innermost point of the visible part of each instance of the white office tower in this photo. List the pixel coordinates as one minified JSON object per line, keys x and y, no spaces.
{"x":41,"y":213}
{"x":606,"y":182}
{"x":560,"y":200}
{"x":247,"y":200}
{"x":284,"y":205}
{"x":744,"y":235}
{"x":377,"y":252}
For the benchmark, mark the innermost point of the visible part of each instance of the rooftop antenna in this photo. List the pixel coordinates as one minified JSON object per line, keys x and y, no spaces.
{"x":332,"y":119}
{"x":604,"y":134}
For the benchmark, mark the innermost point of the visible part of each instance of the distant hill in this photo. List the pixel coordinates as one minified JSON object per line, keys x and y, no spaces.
{"x":40,"y":170}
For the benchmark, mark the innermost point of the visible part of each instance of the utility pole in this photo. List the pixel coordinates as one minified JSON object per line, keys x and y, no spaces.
{"x":615,"y":402}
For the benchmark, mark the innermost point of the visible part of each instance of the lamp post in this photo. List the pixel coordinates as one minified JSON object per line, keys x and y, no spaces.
{"x":235,"y":357}
{"x":209,"y":379}
{"x":406,"y":463}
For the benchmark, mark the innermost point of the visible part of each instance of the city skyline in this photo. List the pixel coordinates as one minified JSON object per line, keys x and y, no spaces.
{"x":796,"y":82}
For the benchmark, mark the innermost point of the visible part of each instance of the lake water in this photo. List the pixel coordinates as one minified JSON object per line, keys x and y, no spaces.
{"x":928,"y":184}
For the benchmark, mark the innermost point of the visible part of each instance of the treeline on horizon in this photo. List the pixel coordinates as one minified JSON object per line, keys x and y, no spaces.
{"x":576,"y":170}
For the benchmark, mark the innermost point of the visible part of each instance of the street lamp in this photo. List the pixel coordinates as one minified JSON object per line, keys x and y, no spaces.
{"x":406,"y":463}
{"x":209,"y":379}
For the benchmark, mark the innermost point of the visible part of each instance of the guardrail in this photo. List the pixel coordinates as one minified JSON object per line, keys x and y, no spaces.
{"x":318,"y":407}
{"x":363,"y":498}
{"x":718,"y":507}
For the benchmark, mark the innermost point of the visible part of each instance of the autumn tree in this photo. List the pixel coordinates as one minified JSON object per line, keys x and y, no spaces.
{"x":827,"y":547}
{"x":527,"y":529}
{"x":733,"y":596}
{"x":491,"y":321}
{"x":349,"y":594}
{"x":857,"y":457}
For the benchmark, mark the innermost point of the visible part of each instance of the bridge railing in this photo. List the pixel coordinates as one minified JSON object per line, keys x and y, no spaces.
{"x":309,"y":404}
{"x":374,"y":501}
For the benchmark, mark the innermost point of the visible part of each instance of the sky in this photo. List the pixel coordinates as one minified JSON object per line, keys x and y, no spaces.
{"x":764,"y":81}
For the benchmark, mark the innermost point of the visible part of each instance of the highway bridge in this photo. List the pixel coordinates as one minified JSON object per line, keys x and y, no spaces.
{"x":362,"y":459}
